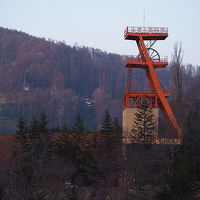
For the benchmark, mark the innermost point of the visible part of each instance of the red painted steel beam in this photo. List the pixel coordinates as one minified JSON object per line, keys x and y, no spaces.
{"x":168,"y":114}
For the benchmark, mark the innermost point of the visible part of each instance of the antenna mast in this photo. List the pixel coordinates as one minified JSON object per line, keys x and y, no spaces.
{"x":144,"y":18}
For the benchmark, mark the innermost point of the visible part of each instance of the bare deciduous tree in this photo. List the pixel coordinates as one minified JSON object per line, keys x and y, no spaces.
{"x":176,"y":74}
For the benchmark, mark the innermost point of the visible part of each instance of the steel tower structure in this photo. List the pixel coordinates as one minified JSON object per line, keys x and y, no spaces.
{"x":148,"y":59}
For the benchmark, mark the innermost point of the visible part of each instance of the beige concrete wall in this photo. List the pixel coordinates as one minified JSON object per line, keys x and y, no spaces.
{"x":128,"y":121}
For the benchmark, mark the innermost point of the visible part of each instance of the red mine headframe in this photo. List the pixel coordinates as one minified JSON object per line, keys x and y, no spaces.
{"x":148,"y":59}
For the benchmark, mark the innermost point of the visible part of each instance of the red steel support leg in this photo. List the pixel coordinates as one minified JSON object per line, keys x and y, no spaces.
{"x":165,"y":108}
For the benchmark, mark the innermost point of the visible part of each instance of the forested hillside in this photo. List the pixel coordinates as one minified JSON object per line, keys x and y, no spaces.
{"x":37,"y":75}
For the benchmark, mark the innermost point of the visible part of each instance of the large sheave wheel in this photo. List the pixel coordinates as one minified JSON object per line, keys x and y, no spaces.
{"x":153,"y":54}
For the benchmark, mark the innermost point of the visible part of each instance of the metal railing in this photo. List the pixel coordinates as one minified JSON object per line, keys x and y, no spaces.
{"x":148,"y":30}
{"x":146,"y":91}
{"x":164,"y":59}
{"x":134,"y":58}
{"x":139,"y":59}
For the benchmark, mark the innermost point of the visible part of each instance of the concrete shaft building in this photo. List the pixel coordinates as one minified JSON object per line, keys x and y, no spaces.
{"x":128,"y":123}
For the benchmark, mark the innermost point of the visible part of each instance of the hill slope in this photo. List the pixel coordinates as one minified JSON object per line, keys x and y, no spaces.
{"x":39,"y":75}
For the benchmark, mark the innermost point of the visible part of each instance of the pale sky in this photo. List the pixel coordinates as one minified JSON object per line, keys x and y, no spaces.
{"x":101,"y":23}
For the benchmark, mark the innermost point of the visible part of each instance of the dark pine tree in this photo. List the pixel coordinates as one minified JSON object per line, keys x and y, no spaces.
{"x":75,"y":148}
{"x":106,"y":124}
{"x":182,"y":181}
{"x":43,"y":123}
{"x":78,"y":126}
{"x":22,"y":147}
{"x":65,"y":128}
{"x":33,"y":156}
{"x":107,"y":130}
{"x":34,"y":129}
{"x":143,"y":131}
{"x":191,"y":137}
{"x":116,"y":126}
{"x":40,"y":140}
{"x":21,"y":132}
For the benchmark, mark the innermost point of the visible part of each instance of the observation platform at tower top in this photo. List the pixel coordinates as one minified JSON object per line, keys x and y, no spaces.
{"x":148,"y":33}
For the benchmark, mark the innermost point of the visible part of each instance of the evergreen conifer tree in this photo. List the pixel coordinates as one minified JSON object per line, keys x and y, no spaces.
{"x":40,"y":140}
{"x":40,"y":154}
{"x":21,"y":133}
{"x":33,"y":155}
{"x":78,"y":126}
{"x":34,"y":129}
{"x":181,"y":182}
{"x":75,"y":148}
{"x":116,"y":126}
{"x":65,"y":128}
{"x":107,"y":131}
{"x":43,"y":123}
{"x":22,"y":148}
{"x":143,"y":130}
{"x":106,"y":124}
{"x":57,"y":129}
